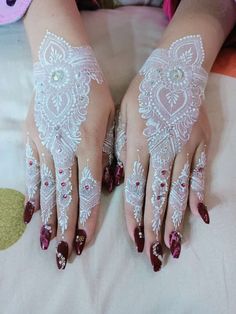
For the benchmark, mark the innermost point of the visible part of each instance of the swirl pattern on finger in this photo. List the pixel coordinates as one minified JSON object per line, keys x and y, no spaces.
{"x":197,"y":182}
{"x":135,"y":190}
{"x":179,"y":195}
{"x":32,"y":173}
{"x":90,"y":194}
{"x":62,"y":79}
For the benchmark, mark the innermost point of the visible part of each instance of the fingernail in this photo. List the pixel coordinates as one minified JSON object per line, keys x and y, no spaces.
{"x":28,"y":212}
{"x":156,"y":255}
{"x":45,"y":236}
{"x":10,"y":3}
{"x":80,"y":239}
{"x":139,"y":238}
{"x":175,"y":244}
{"x":107,"y":179}
{"x":118,"y":175}
{"x":202,"y":209}
{"x":62,"y":254}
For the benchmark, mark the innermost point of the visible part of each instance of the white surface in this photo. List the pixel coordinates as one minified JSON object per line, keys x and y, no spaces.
{"x":110,"y":277}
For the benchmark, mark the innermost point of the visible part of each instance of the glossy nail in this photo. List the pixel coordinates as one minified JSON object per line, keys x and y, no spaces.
{"x":175,"y":243}
{"x":156,"y":255}
{"x":45,"y":236}
{"x":202,"y":209}
{"x":118,"y":174}
{"x":107,"y":179}
{"x":62,"y":254}
{"x":10,"y":3}
{"x":139,"y":238}
{"x":80,"y":239}
{"x":28,"y":212}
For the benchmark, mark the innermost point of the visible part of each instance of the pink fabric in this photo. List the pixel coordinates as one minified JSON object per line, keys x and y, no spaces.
{"x":9,"y":14}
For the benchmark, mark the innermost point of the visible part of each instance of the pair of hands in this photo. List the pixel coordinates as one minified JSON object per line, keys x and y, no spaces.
{"x":69,"y":147}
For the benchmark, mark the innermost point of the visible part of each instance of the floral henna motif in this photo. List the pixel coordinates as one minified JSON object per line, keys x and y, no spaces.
{"x":198,"y":177}
{"x":32,"y":173}
{"x":89,"y":193}
{"x":134,"y":190}
{"x":171,"y":93}
{"x":178,"y":195}
{"x":120,"y":137}
{"x":47,"y":193}
{"x":62,"y":79}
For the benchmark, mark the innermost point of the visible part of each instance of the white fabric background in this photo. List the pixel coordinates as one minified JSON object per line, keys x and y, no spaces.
{"x":110,"y":277}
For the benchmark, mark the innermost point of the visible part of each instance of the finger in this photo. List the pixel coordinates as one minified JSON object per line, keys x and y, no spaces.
{"x":136,"y":169}
{"x":155,"y":206}
{"x":177,"y":202}
{"x":197,"y":184}
{"x":67,"y":211}
{"x":32,"y":169}
{"x":47,"y":200}
{"x":90,"y":175}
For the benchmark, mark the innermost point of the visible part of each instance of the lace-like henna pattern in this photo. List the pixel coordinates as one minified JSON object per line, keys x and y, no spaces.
{"x":162,"y":169}
{"x":90,"y":193}
{"x":120,"y":137}
{"x":171,"y":93}
{"x":32,"y":173}
{"x":108,"y":143}
{"x":62,"y":80}
{"x":178,"y":195}
{"x":198,"y":177}
{"x":134,"y":190}
{"x":47,"y":193}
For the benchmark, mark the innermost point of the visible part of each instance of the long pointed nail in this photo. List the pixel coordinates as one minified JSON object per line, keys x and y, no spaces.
{"x":139,"y":238}
{"x":202,"y":209}
{"x":107,"y":179}
{"x":80,"y":239}
{"x":62,"y":254}
{"x":28,"y":212}
{"x":45,"y":236}
{"x":156,"y":255}
{"x":118,"y":174}
{"x":175,"y":243}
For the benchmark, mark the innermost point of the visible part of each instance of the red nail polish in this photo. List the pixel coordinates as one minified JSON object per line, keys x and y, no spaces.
{"x":202,"y":209}
{"x":107,"y":179}
{"x":28,"y":212}
{"x":118,"y":175}
{"x":175,"y":244}
{"x":80,"y":239}
{"x":156,"y":255}
{"x":139,"y":238}
{"x":45,"y":237}
{"x":62,"y":254}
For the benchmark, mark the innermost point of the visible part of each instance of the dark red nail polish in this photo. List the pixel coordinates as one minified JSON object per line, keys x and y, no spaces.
{"x":45,"y":236}
{"x":156,"y":255}
{"x":28,"y":212}
{"x":118,"y":175}
{"x":139,"y":238}
{"x":80,"y":239}
{"x":107,"y":179}
{"x":175,"y":244}
{"x":10,"y":3}
{"x":62,"y":254}
{"x":202,"y":209}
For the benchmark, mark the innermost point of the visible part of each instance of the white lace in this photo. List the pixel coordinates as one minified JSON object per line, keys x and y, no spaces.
{"x":179,"y":195}
{"x":32,"y":171}
{"x":62,"y":80}
{"x":89,"y":193}
{"x":135,"y":190}
{"x":198,"y":176}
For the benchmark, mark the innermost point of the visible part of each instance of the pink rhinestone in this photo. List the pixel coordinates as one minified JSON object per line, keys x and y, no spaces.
{"x":30,"y":162}
{"x":137,"y":183}
{"x":163,"y":184}
{"x":183,"y":185}
{"x":63,"y":184}
{"x":86,"y":187}
{"x":46,"y":183}
{"x":60,"y":171}
{"x":163,"y":172}
{"x":158,"y":197}
{"x":200,"y":169}
{"x":64,"y":196}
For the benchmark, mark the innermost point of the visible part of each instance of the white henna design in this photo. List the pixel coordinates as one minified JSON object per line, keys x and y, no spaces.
{"x":198,"y":177}
{"x":135,"y":190}
{"x":120,"y":137}
{"x":89,"y":193}
{"x":108,"y":144}
{"x":178,"y":196}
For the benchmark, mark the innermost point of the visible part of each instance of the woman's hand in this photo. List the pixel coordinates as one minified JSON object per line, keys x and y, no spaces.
{"x":66,"y":136}
{"x":162,"y":140}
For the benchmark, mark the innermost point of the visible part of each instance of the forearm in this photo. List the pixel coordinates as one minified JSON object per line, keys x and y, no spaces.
{"x":57,"y":16}
{"x":212,"y":20}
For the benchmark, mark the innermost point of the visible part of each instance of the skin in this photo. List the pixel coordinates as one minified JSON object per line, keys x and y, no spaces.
{"x":214,"y":23}
{"x":51,"y":15}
